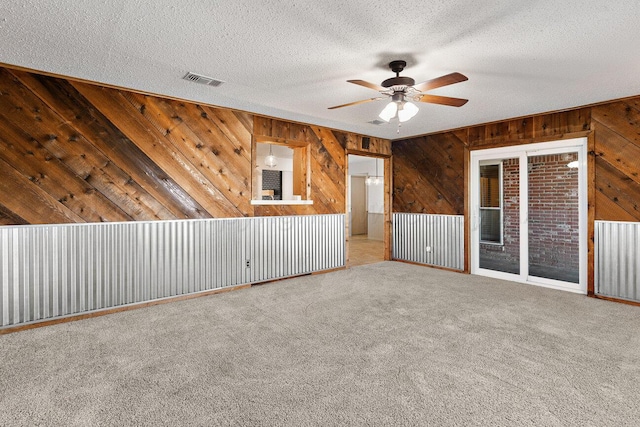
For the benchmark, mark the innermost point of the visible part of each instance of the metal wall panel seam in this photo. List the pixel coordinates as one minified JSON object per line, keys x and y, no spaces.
{"x":617,"y":259}
{"x":54,"y":270}
{"x":414,"y":233}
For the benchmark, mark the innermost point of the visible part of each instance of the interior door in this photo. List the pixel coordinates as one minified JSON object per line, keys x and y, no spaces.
{"x":358,"y":206}
{"x":529,"y":214}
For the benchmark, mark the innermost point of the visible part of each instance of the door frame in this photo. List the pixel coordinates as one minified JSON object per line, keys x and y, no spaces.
{"x":387,"y":172}
{"x":522,"y":152}
{"x":350,"y":203}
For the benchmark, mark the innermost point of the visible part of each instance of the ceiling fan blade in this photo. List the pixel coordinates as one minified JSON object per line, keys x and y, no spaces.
{"x":367,"y":84}
{"x":356,"y":102}
{"x":449,"y":79}
{"x":443,"y":100}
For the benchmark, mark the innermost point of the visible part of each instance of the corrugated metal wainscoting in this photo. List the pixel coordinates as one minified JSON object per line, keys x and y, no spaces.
{"x":47,"y":271}
{"x":617,"y":259}
{"x":429,"y":239}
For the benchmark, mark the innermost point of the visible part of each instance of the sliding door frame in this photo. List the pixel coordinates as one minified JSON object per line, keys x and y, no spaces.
{"x":523,"y":152}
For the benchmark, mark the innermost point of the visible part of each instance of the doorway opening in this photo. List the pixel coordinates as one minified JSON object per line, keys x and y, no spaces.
{"x":365,"y":208}
{"x":529,"y":214}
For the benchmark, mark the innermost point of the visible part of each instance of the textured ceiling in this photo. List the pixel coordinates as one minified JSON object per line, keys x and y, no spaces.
{"x":291,"y":59}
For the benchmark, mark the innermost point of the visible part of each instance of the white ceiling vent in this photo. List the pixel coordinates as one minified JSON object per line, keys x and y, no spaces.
{"x":203,"y":80}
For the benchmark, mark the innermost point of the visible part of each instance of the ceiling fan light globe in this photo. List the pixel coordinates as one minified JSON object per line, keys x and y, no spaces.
{"x":389,"y":111}
{"x":407,"y":112}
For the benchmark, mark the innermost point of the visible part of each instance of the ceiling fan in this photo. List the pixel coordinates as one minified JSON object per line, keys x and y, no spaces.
{"x":402,"y":90}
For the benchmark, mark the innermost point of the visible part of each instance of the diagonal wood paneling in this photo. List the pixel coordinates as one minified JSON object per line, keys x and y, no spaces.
{"x":179,"y":167}
{"x":191,"y":132}
{"x":134,"y":181}
{"x":32,"y":142}
{"x":328,"y":162}
{"x":428,"y":174}
{"x":86,"y":153}
{"x":425,"y":178}
{"x":617,"y":149}
{"x":41,"y":166}
{"x":10,"y":218}
{"x":617,"y":196}
{"x":25,"y":199}
{"x":76,"y":152}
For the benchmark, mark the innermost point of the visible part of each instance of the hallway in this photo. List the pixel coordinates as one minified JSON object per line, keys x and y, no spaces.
{"x":363,"y":250}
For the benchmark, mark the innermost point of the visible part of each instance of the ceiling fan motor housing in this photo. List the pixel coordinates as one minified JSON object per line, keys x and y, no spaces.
{"x":402,"y":88}
{"x":398,"y":81}
{"x":397,"y":67}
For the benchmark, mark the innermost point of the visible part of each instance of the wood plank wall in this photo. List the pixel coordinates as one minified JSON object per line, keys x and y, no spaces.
{"x":77,"y":152}
{"x":327,"y":164}
{"x":428,"y":173}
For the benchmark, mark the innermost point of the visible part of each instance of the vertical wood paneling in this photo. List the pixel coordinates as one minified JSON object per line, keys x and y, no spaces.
{"x":496,"y":133}
{"x":353,"y":143}
{"x":591,"y":212}
{"x":557,"y":124}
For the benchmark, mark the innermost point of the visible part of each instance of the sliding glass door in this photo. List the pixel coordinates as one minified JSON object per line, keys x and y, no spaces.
{"x":553,"y":223}
{"x":529,"y":213}
{"x":499,"y":215}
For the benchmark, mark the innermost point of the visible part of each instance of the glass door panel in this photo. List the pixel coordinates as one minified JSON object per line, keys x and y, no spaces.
{"x":529,"y":213}
{"x":499,"y":215}
{"x":553,"y":217}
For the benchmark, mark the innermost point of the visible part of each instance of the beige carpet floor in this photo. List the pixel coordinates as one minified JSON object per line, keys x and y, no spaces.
{"x":382,"y":344}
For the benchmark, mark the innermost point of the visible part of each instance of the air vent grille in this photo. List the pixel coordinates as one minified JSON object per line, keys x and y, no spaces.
{"x":203,"y":80}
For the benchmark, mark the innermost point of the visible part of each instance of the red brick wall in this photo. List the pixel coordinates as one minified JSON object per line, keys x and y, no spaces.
{"x":511,"y":189}
{"x":510,"y":250}
{"x":553,"y":212}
